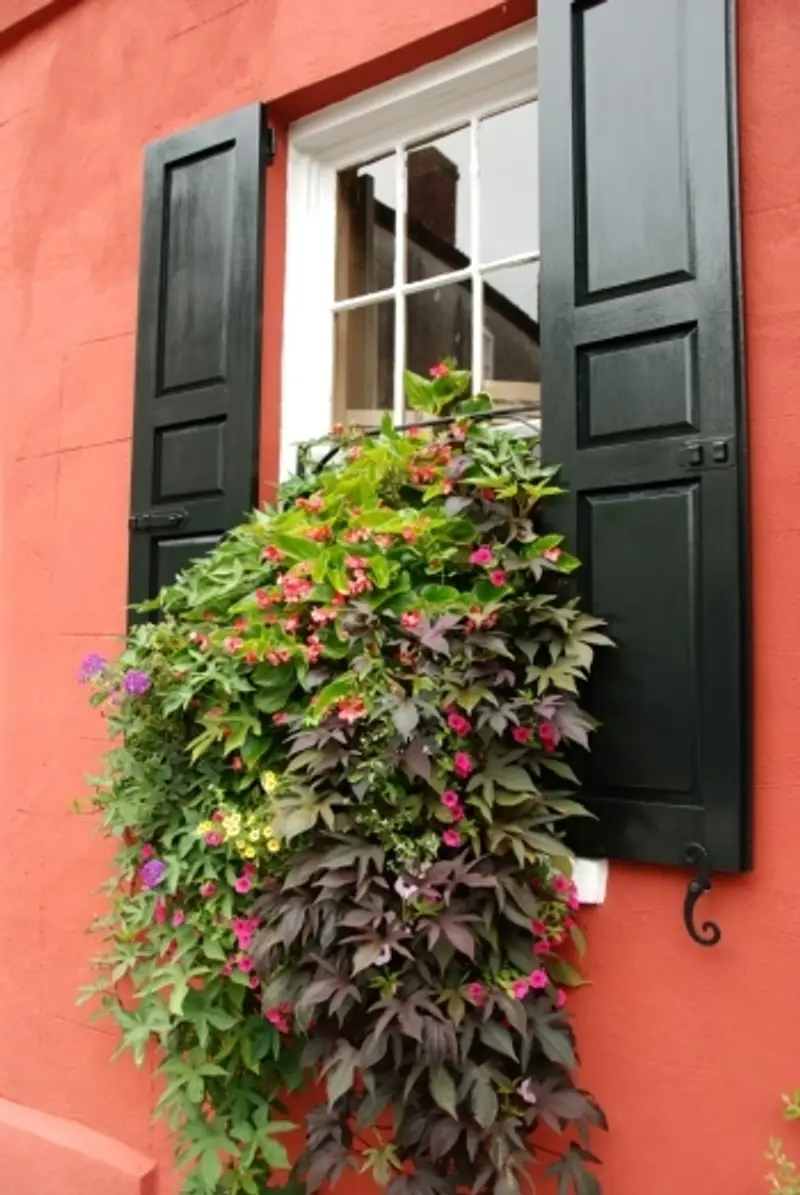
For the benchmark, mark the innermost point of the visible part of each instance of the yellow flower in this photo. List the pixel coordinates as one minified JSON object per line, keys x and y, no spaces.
{"x":249,"y":852}
{"x":269,"y":782}
{"x":252,"y":835}
{"x":267,"y":832}
{"x":232,"y":825}
{"x":241,"y":845}
{"x":273,"y":845}
{"x":205,"y":827}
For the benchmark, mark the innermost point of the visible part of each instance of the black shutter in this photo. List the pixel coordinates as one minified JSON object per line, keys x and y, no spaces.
{"x":643,"y":406}
{"x":195,"y":440}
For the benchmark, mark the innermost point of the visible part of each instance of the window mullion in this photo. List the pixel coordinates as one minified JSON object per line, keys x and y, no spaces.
{"x":474,"y":252}
{"x":398,"y":393}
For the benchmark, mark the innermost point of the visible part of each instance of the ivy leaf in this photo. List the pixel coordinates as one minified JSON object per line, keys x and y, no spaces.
{"x":443,"y":1090}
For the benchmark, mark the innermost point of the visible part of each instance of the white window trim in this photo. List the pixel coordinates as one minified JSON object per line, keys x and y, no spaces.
{"x":495,"y":73}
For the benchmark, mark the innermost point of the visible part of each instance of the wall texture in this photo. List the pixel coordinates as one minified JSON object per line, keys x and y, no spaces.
{"x":687,"y":1049}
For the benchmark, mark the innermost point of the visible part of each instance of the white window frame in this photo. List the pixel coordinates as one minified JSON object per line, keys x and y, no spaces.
{"x":496,"y":73}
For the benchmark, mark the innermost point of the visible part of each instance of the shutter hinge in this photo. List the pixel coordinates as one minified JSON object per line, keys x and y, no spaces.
{"x":716,"y":453}
{"x":157,"y":520}
{"x":270,"y":145}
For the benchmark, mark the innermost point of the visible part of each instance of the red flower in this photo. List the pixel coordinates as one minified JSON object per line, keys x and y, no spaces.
{"x":409,"y":534}
{"x":263,"y":599}
{"x":358,"y":562}
{"x":251,"y":657}
{"x":463,"y":764}
{"x":451,"y":838}
{"x":198,"y":639}
{"x":280,"y":719}
{"x":351,"y":708}
{"x":476,"y":992}
{"x":314,"y":503}
{"x":232,"y":643}
{"x":497,"y":578}
{"x":291,"y":624}
{"x":410,"y":619}
{"x":240,"y":623}
{"x":274,"y":555}
{"x":548,"y":736}
{"x":237,"y":763}
{"x":439,"y":371}
{"x":521,"y":734}
{"x":355,"y":452}
{"x":383,"y":541}
{"x":459,"y":724}
{"x":318,"y":534}
{"x":482,"y":556}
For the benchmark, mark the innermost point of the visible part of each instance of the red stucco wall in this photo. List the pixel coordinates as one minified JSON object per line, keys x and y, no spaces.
{"x":687,"y":1049}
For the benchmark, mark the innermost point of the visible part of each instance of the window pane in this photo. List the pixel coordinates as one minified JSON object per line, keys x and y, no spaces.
{"x":438,"y":325}
{"x":364,"y":360}
{"x":365,"y":222}
{"x":439,"y":206}
{"x":511,"y":334}
{"x":508,"y":150}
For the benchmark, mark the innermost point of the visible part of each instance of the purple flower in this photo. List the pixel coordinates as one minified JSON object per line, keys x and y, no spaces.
{"x":136,"y":682}
{"x":153,"y":873}
{"x":91,"y":667}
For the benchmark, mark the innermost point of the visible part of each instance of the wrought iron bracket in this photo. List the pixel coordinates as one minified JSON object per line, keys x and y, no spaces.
{"x":709,"y":933}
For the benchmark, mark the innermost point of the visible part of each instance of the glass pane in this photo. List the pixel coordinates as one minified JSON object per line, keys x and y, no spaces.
{"x":508,"y":150}
{"x":438,"y":325}
{"x":365,"y":223}
{"x":439,"y":206}
{"x":364,"y":363}
{"x":511,"y":334}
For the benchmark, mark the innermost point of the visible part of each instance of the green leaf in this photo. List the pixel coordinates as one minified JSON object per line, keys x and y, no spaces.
{"x":443,"y":1090}
{"x":498,"y":1038}
{"x":556,"y":1044}
{"x":485,"y":1105}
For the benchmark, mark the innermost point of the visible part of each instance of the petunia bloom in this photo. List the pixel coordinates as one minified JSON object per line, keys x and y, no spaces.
{"x":520,"y":988}
{"x":521,"y":734}
{"x":538,"y":979}
{"x":451,"y":838}
{"x":153,"y":873}
{"x":497,"y":578}
{"x":207,"y":890}
{"x":242,"y":884}
{"x":476,"y":992}
{"x":92,"y":666}
{"x":483,"y":556}
{"x":458,"y":723}
{"x":450,"y":799}
{"x":136,"y":683}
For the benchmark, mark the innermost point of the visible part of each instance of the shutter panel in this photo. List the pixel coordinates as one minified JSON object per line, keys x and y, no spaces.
{"x":195,"y":441}
{"x":643,"y":407}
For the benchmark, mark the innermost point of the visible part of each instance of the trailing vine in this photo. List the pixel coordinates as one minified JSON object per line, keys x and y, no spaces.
{"x":337,"y":781}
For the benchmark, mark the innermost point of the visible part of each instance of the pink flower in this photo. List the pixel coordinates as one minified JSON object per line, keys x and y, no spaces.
{"x":280,"y":719}
{"x":497,"y":578}
{"x":561,"y":884}
{"x":458,"y":723}
{"x":482,"y":556}
{"x":561,"y":998}
{"x":538,"y":979}
{"x":519,"y":988}
{"x":213,"y":839}
{"x":439,"y":371}
{"x":225,"y":970}
{"x":476,"y":992}
{"x":552,"y":554}
{"x":255,"y":982}
{"x":463,"y":764}
{"x":542,"y":947}
{"x":351,"y":708}
{"x":242,"y":884}
{"x":527,"y":1092}
{"x":521,"y":734}
{"x":160,"y":912}
{"x":291,"y":624}
{"x":451,"y":837}
{"x":147,"y":851}
{"x":232,"y":643}
{"x":178,"y":917}
{"x":274,"y":555}
{"x":458,"y":813}
{"x":410,"y":619}
{"x":538,"y":927}
{"x":279,"y":1017}
{"x":450,"y":799}
{"x":245,"y":963}
{"x":208,"y":890}
{"x":570,"y":922}
{"x":237,"y":763}
{"x":573,"y":901}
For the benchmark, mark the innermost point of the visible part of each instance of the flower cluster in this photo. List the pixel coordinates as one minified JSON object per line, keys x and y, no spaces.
{"x":341,"y":765}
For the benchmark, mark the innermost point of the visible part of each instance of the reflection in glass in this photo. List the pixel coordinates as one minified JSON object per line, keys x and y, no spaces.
{"x":438,"y":325}
{"x":509,"y":207}
{"x":365,"y":228}
{"x":511,"y":326}
{"x":363,"y":363}
{"x":438,"y":205}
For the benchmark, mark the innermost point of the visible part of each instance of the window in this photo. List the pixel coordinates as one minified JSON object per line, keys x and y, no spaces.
{"x":413,"y":235}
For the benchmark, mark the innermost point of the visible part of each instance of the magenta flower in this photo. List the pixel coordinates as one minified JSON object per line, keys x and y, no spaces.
{"x":476,"y":992}
{"x":561,"y":884}
{"x":213,"y":838}
{"x":549,"y":736}
{"x":92,"y":666}
{"x":178,"y":917}
{"x":136,"y":683}
{"x":538,"y":927}
{"x":450,"y":799}
{"x":226,"y":969}
{"x":463,"y":764}
{"x":519,"y":988}
{"x":153,"y":873}
{"x":561,"y":998}
{"x":482,"y":556}
{"x":160,"y":912}
{"x":246,"y":963}
{"x":451,"y":837}
{"x":521,"y":734}
{"x":242,"y":884}
{"x":538,"y":979}
{"x":147,"y":851}
{"x":458,"y":813}
{"x":497,"y":578}
{"x":541,"y":947}
{"x":208,"y":890}
{"x":458,"y":723}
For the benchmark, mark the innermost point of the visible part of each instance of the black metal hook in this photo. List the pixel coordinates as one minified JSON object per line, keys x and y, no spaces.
{"x":709,"y":932}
